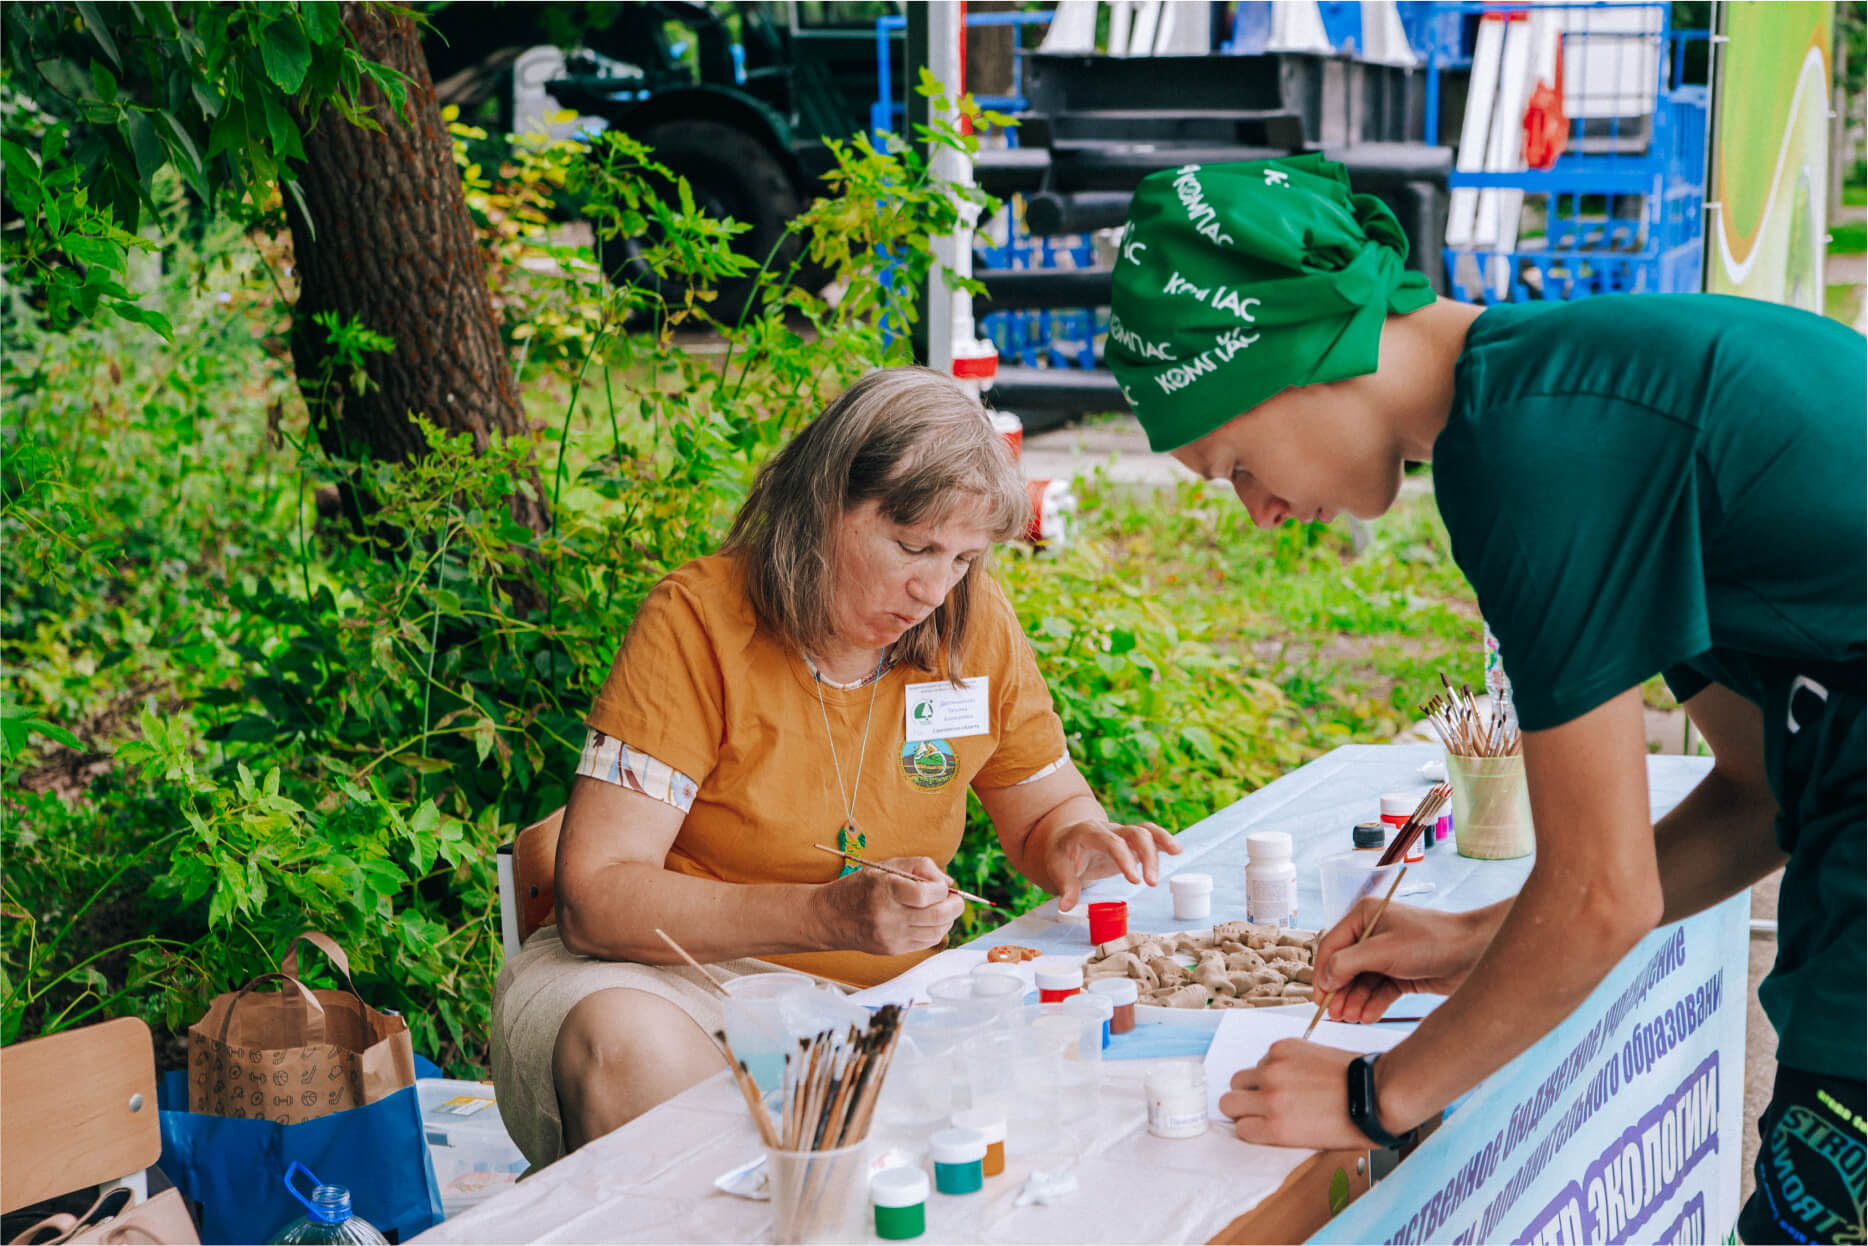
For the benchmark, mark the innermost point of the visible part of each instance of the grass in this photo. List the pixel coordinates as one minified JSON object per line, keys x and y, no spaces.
{"x":1842,"y":302}
{"x":1855,"y":195}
{"x":1355,"y":641}
{"x":1848,"y":238}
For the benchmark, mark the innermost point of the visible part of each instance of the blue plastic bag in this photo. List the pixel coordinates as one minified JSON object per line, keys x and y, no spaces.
{"x":231,"y":1167}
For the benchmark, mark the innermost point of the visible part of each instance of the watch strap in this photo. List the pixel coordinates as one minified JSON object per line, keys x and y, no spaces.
{"x":1364,"y":1109}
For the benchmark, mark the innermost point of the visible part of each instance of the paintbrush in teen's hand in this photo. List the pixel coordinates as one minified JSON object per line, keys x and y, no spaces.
{"x":1424,"y":813}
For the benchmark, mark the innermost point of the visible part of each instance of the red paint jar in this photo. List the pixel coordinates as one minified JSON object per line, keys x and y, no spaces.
{"x":1109,"y":919}
{"x":1058,"y":983}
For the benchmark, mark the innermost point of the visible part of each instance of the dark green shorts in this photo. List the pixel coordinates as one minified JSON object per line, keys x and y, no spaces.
{"x":1812,"y":1155}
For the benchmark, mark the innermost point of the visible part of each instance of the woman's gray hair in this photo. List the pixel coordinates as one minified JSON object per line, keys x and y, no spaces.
{"x":920,"y":446}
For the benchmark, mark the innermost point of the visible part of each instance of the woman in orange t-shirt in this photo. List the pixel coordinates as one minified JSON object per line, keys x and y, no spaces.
{"x":843,"y":671}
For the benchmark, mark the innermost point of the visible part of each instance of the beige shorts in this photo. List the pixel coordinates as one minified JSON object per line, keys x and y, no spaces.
{"x":538,"y":989}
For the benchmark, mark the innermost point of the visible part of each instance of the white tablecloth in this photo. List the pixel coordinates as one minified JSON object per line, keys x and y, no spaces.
{"x":652,"y":1180}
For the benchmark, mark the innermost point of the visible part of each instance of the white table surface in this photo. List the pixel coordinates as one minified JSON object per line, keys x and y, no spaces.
{"x":652,"y":1180}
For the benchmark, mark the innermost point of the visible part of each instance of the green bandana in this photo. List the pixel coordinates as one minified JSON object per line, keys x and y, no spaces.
{"x":1237,"y":281}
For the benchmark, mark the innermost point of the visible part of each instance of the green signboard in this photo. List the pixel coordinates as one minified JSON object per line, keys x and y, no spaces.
{"x":1770,"y":151}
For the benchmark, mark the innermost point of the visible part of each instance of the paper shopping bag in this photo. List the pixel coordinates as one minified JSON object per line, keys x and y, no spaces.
{"x":295,"y":1054}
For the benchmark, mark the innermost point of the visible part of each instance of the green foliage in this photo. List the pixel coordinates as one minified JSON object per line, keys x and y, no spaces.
{"x":107,"y":96}
{"x":223,"y":721}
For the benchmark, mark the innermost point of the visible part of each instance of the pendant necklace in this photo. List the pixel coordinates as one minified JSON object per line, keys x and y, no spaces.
{"x":849,"y":839}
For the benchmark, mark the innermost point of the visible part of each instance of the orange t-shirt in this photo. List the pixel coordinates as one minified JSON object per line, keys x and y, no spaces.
{"x":698,"y":685}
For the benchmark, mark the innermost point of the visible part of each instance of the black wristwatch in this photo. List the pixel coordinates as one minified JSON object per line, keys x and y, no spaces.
{"x":1364,"y":1110}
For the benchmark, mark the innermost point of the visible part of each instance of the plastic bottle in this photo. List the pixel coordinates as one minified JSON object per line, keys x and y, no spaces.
{"x":1270,"y":880}
{"x":330,"y":1218}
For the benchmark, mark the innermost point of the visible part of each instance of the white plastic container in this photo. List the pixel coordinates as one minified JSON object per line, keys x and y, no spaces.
{"x":1176,"y":1092}
{"x":1270,"y":880}
{"x":472,"y":1157}
{"x":1193,"y":896}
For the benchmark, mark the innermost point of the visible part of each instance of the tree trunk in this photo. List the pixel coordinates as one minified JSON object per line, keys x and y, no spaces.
{"x":389,"y":243}
{"x":989,"y":50}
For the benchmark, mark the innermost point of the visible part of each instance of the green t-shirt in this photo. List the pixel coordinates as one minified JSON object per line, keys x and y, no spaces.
{"x":1679,"y":484}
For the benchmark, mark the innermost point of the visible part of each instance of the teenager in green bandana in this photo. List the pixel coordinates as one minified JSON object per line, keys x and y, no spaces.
{"x":1633,"y":484}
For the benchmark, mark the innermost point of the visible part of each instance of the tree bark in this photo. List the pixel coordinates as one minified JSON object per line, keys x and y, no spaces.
{"x":384,"y":237}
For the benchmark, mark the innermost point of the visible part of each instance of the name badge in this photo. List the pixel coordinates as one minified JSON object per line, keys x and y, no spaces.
{"x":940,"y":711}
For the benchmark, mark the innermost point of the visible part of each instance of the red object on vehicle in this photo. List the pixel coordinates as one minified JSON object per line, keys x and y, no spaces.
{"x":1109,"y":919}
{"x":1546,"y":128}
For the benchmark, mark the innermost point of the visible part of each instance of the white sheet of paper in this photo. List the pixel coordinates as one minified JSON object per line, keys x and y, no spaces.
{"x":1246,"y":1034}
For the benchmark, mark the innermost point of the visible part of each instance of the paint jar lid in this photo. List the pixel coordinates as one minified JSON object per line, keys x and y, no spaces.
{"x":1111,"y":908}
{"x":1117,"y":991}
{"x":899,"y":1187}
{"x":1099,"y":1006}
{"x":1058,"y":977}
{"x":1370,"y":834}
{"x":957,"y":1146}
{"x":1190,"y":884}
{"x":1268,"y":846}
{"x":1399,"y":804}
{"x":998,"y":969}
{"x":990,"y":1122}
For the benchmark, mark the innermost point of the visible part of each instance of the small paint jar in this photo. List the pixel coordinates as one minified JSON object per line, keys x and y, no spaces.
{"x":1109,"y":919}
{"x":1193,"y":896}
{"x":1121,"y":994}
{"x":959,"y":1157}
{"x":900,"y":1196}
{"x":1370,"y":837}
{"x":1057,"y":982}
{"x":1397,"y":807}
{"x":991,"y":1123}
{"x":1176,"y":1092}
{"x":1443,"y":828}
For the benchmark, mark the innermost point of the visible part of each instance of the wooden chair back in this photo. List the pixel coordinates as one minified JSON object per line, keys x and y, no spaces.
{"x":80,"y":1110}
{"x":534,"y":866}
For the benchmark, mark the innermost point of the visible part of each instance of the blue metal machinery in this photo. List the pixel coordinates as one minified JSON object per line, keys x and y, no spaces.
{"x":1624,"y":205}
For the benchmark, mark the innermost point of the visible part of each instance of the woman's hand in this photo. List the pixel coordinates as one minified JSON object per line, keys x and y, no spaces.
{"x":1413,"y":950}
{"x":1298,"y":1095}
{"x":1084,"y":851}
{"x":870,"y":911}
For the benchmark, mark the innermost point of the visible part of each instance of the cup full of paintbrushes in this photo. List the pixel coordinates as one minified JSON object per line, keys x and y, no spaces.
{"x":1485,"y":764}
{"x":817,"y":1149}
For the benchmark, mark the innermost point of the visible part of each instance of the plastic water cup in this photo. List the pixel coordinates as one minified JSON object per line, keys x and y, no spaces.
{"x":994,"y":995}
{"x":755,"y":1022}
{"x":943,"y":1030}
{"x":918,"y":1095}
{"x":1017,"y":1072}
{"x":1348,"y":877}
{"x":819,"y":1196}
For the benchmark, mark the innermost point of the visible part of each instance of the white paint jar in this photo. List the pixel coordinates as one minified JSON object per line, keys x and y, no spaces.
{"x":1193,"y":896}
{"x":1176,"y":1091}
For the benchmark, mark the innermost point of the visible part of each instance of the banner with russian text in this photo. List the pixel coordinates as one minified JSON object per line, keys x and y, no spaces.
{"x":1623,"y":1124}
